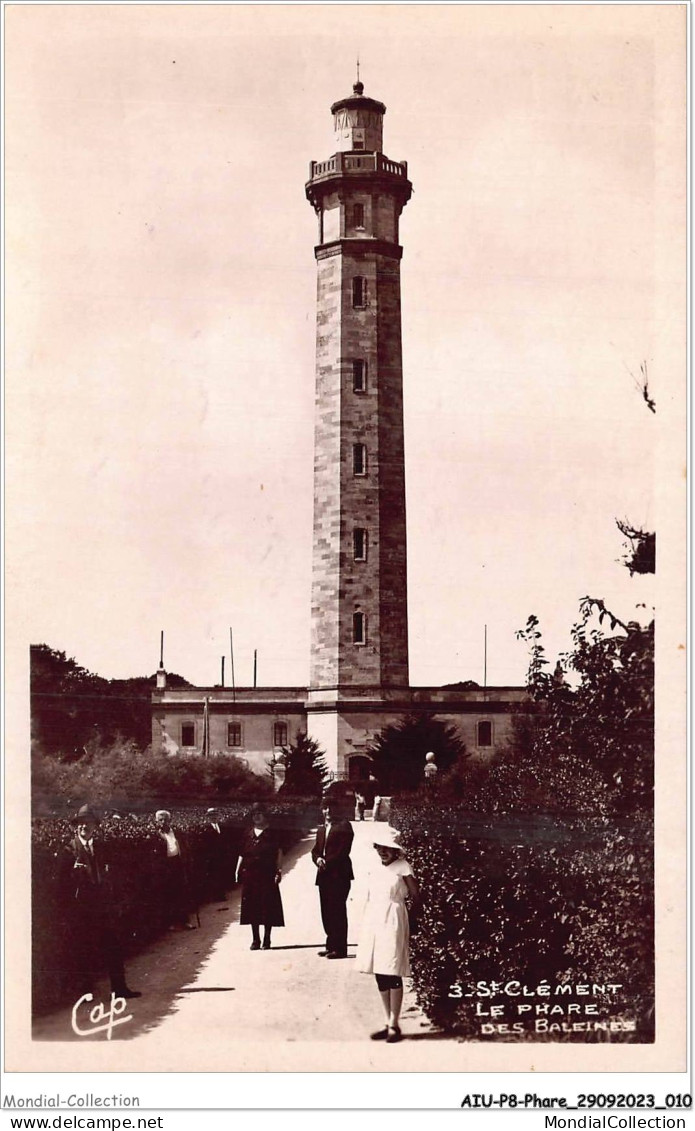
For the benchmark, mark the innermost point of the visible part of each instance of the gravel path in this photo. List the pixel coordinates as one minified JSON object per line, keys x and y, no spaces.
{"x":210,"y":1002}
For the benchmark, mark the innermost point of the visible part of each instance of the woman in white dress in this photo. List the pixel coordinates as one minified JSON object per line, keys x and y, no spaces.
{"x":384,"y":936}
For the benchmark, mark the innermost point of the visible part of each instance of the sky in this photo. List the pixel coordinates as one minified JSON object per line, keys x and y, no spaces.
{"x":161,"y":320}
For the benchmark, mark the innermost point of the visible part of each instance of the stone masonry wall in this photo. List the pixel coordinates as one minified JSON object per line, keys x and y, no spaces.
{"x":325,"y":575}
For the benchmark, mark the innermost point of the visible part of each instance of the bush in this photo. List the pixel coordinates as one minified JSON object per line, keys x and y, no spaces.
{"x":135,"y":890}
{"x":530,"y":898}
{"x":123,"y":776}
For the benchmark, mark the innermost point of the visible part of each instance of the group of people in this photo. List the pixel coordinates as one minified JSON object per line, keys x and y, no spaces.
{"x":383,"y":946}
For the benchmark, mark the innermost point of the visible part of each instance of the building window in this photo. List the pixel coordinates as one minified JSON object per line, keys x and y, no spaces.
{"x":485,"y":734}
{"x":358,"y":216}
{"x":188,"y":734}
{"x":359,"y":628}
{"x":359,"y":375}
{"x":359,"y":459}
{"x":279,"y":734}
{"x":359,"y":291}
{"x":233,"y":734}
{"x":359,"y":544}
{"x":357,"y":143}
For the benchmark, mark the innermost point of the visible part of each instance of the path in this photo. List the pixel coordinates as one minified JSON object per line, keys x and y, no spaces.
{"x":237,"y":1009}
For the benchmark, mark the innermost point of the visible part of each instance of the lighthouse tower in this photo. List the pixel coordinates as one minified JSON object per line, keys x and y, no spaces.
{"x":359,"y":643}
{"x":359,"y":623}
{"x":359,"y":639}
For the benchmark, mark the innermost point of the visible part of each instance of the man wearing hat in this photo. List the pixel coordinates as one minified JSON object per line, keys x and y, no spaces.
{"x":219,"y":856}
{"x":331,"y":855}
{"x":97,"y":941}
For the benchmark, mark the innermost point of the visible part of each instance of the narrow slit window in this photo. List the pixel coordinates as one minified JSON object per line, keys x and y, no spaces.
{"x":279,"y":734}
{"x":358,"y":216}
{"x":188,"y":734}
{"x":359,"y":375}
{"x":359,"y":459}
{"x":359,"y":291}
{"x":485,"y":733}
{"x":359,"y":628}
{"x":359,"y":544}
{"x":233,"y":734}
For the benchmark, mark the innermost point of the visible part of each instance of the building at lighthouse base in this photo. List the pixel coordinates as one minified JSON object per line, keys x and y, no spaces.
{"x":255,"y":723}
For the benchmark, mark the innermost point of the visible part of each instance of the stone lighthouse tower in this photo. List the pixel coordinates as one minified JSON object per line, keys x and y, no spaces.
{"x":359,"y":642}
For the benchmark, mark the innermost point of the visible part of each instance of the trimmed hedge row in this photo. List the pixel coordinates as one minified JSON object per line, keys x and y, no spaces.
{"x":135,"y":890}
{"x":532,"y":901}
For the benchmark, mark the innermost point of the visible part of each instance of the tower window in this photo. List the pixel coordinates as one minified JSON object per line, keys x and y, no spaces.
{"x":359,"y":291}
{"x":188,"y":734}
{"x":358,"y":216}
{"x":359,"y":544}
{"x":357,"y":143}
{"x":359,"y":375}
{"x":359,"y":628}
{"x":485,"y":734}
{"x":359,"y":459}
{"x":233,"y":734}
{"x":279,"y":734}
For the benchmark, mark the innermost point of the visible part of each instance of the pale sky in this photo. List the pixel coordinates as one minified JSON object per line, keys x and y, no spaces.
{"x":161,"y":316}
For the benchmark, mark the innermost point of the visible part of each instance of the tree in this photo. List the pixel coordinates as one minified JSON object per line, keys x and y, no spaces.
{"x":640,"y":547}
{"x":398,"y":751}
{"x":602,"y":715}
{"x":306,"y":770}
{"x":72,"y":708}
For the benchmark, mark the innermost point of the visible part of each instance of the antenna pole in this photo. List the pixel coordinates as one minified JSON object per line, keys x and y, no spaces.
{"x":231,"y":649}
{"x":255,"y":665}
{"x":222,"y":658}
{"x":161,"y":649}
{"x":485,"y":661}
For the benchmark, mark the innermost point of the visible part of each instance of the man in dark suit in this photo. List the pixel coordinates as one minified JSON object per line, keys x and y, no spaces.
{"x":219,"y":858}
{"x":173,"y":859}
{"x":331,"y":855}
{"x":97,"y":941}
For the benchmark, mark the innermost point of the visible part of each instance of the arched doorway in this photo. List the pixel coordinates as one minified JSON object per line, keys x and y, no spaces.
{"x":359,"y":768}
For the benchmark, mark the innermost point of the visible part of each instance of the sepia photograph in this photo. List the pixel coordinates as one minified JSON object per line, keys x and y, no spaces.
{"x":345,"y":488}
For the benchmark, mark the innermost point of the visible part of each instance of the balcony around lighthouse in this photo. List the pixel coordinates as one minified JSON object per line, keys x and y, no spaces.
{"x":356,"y":164}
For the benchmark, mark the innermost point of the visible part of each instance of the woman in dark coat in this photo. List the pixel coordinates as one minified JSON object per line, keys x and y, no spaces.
{"x":259,"y":868}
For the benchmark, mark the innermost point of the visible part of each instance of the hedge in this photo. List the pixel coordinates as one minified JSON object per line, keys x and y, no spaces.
{"x":531,"y":901}
{"x":135,"y":890}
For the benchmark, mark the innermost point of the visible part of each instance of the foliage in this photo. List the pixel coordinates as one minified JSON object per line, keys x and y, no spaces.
{"x":529,"y":898}
{"x":543,"y":869}
{"x":399,"y":750}
{"x":306,"y":769}
{"x":72,"y":707}
{"x":123,"y":776}
{"x":640,"y":547}
{"x":136,"y":894}
{"x":605,"y":721}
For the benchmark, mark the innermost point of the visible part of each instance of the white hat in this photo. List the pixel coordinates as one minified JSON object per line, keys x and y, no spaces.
{"x":386,"y":837}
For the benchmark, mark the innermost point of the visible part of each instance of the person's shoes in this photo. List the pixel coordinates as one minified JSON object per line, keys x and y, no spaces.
{"x":125,"y":991}
{"x":380,"y":1035}
{"x":324,"y":953}
{"x":255,"y":945}
{"x":266,"y":946}
{"x":393,"y":1035}
{"x":336,"y":954}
